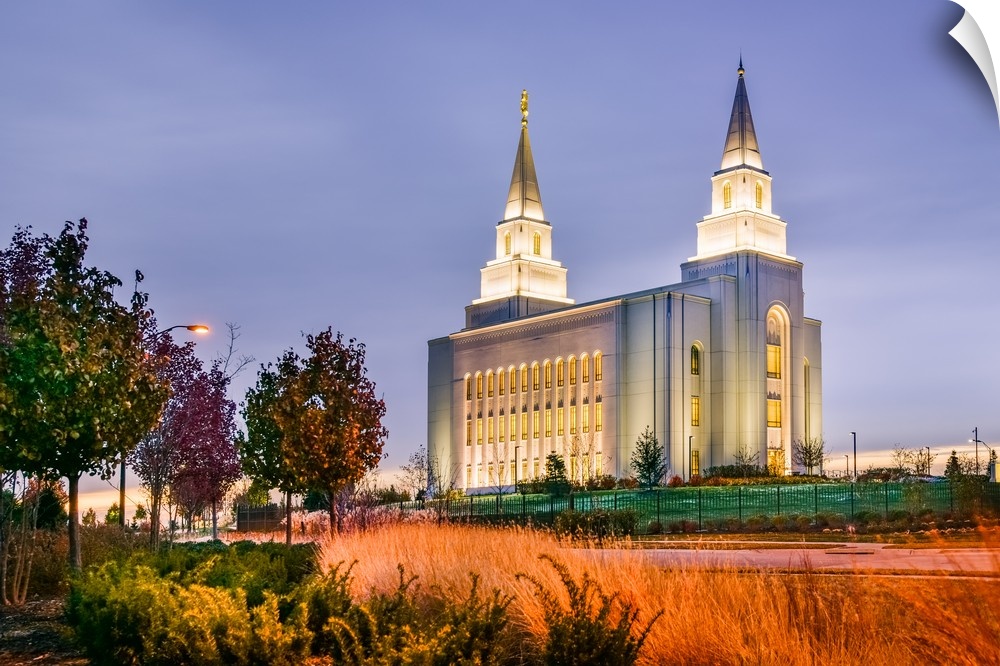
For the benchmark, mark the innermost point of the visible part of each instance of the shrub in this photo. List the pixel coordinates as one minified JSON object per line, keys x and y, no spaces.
{"x":599,"y":524}
{"x":758,"y":523}
{"x":675,"y":482}
{"x":830,"y":519}
{"x":596,"y":628}
{"x":628,"y":483}
{"x":654,"y":527}
{"x":695,"y":480}
{"x":867,"y":517}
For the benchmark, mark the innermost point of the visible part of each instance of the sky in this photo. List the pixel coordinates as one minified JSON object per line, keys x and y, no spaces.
{"x":293,"y":167}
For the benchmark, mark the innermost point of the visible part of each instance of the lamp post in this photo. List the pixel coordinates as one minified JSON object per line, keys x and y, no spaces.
{"x":854,"y":436}
{"x":194,"y":328}
{"x":975,"y":434}
{"x":928,"y":459}
{"x":847,"y":466}
{"x":687,"y":461}
{"x":516,"y":461}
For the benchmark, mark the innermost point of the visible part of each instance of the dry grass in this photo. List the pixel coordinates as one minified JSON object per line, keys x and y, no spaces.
{"x":709,"y":617}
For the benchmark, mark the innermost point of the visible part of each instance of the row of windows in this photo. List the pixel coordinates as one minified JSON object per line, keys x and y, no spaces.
{"x":497,"y":475}
{"x":502,"y":425}
{"x":536,"y":243}
{"x":727,"y":195}
{"x":500,"y":381}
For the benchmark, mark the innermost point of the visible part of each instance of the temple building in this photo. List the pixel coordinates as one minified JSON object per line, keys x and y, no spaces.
{"x":722,"y":366}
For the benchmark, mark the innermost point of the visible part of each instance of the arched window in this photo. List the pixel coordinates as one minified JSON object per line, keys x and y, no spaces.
{"x":548,"y":374}
{"x":727,"y":195}
{"x":534,"y":376}
{"x":513,"y":380}
{"x":760,"y":195}
{"x":468,"y":387}
{"x":536,"y":243}
{"x":585,"y":364}
{"x":572,"y":371}
{"x":559,"y":372}
{"x":506,"y":243}
{"x":598,"y":367}
{"x":479,"y":386}
{"x":524,"y":378}
{"x":503,"y":381}
{"x":695,"y":360}
{"x":489,"y":384}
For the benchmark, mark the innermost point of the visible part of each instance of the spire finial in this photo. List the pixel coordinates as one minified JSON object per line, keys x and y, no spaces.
{"x":741,"y":71}
{"x":524,"y":108}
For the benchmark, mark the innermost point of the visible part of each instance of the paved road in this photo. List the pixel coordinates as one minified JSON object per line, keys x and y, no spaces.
{"x":836,"y":557}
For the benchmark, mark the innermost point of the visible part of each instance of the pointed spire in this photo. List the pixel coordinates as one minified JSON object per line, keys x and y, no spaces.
{"x":524,"y":199}
{"x":741,"y":141}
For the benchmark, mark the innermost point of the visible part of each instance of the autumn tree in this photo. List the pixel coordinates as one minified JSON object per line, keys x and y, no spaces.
{"x":809,"y":452}
{"x":77,"y":388}
{"x":415,"y":473}
{"x":330,"y":418}
{"x":647,"y":459}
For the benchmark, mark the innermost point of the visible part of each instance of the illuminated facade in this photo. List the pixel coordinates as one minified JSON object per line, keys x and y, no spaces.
{"x":720,"y":365}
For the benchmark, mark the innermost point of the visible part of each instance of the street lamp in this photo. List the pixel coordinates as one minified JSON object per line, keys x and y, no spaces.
{"x":847,"y":466}
{"x":854,"y":436}
{"x":975,"y":434}
{"x":201,"y":329}
{"x":687,"y":461}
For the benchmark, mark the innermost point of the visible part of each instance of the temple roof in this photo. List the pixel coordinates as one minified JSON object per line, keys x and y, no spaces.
{"x":524,"y":199}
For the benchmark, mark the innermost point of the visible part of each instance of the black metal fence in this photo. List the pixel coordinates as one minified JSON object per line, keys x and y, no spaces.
{"x":259,"y":518}
{"x":717,"y":506}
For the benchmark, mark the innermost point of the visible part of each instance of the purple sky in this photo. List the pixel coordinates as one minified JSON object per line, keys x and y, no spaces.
{"x":344,"y":164}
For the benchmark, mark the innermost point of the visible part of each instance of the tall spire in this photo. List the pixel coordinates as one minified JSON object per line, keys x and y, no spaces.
{"x":741,"y":141}
{"x":524,"y":199}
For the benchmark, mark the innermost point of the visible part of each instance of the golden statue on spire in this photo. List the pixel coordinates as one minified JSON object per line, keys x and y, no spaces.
{"x":524,"y":108}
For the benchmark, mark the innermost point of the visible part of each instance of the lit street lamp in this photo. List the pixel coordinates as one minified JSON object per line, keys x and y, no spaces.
{"x":975,"y":434}
{"x":194,"y":328}
{"x":847,"y":466}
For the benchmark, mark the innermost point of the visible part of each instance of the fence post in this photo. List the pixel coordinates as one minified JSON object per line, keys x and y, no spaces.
{"x":739,"y":499}
{"x":699,"y":508}
{"x":852,"y":499}
{"x":887,"y":500}
{"x":658,"y":506}
{"x":524,"y":507}
{"x":471,"y":507}
{"x":778,"y":488}
{"x":616,"y":500}
{"x":815,"y":499}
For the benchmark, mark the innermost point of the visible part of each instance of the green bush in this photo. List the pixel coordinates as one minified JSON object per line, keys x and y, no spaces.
{"x":600,"y":523}
{"x":597,"y":629}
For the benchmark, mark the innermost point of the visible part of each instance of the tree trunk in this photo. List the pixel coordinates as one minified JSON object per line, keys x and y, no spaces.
{"x":121,"y":495}
{"x":75,"y":561}
{"x":154,"y":523}
{"x":288,"y":517}
{"x":215,"y":520}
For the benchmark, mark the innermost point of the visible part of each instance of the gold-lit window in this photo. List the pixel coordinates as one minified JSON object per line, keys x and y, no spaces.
{"x":559,"y":421}
{"x":491,"y":476}
{"x":489,"y":384}
{"x":479,"y":386}
{"x":695,"y":361}
{"x":695,"y":410}
{"x":479,"y":431}
{"x":479,"y":473}
{"x":774,"y":361}
{"x":534,"y":377}
{"x":513,"y":427}
{"x":524,"y":425}
{"x":572,"y":419}
{"x":727,"y":195}
{"x":534,"y":424}
{"x":548,"y":422}
{"x":468,"y":432}
{"x":503,"y":382}
{"x":585,"y":364}
{"x":598,"y":417}
{"x":524,"y":469}
{"x":468,"y":388}
{"x":489,"y":431}
{"x":513,"y":381}
{"x":695,"y":461}
{"x":468,"y":476}
{"x":536,"y":243}
{"x":548,"y":375}
{"x":773,"y":413}
{"x":559,"y":372}
{"x":572,"y":371}
{"x":586,"y":418}
{"x":524,"y":379}
{"x":506,"y":243}
{"x":500,"y":426}
{"x":760,"y":195}
{"x":536,"y":467}
{"x":598,"y":367}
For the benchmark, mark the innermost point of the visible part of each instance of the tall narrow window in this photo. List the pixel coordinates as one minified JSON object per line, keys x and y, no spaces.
{"x":501,"y":423}
{"x":489,"y":431}
{"x":572,"y":419}
{"x":760,"y":195}
{"x":536,"y":243}
{"x":524,"y":425}
{"x":468,"y":388}
{"x":559,"y":372}
{"x":524,"y":378}
{"x":695,"y":461}
{"x":479,"y":431}
{"x":489,"y":384}
{"x":479,"y":386}
{"x":774,"y":361}
{"x":513,"y":381}
{"x":586,"y":418}
{"x":695,"y":360}
{"x":534,"y":377}
{"x":559,"y":421}
{"x":534,"y":424}
{"x":598,"y":417}
{"x":468,"y":476}
{"x":598,"y":367}
{"x":506,"y":243}
{"x":695,"y":410}
{"x":503,"y":382}
{"x":468,"y":432}
{"x":773,"y":413}
{"x":548,"y":422}
{"x":727,"y":196}
{"x":572,"y":371}
{"x":513,"y":426}
{"x":548,"y":374}
{"x":585,"y":364}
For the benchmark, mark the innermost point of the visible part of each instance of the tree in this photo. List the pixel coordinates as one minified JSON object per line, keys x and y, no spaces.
{"x":747,"y":460}
{"x":415,"y":474}
{"x":89,"y":518}
{"x":809,"y":452}
{"x":556,"y":482}
{"x":902,"y":460}
{"x":647,"y":459}
{"x":78,"y":389}
{"x":113,"y":516}
{"x":330,"y":418}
